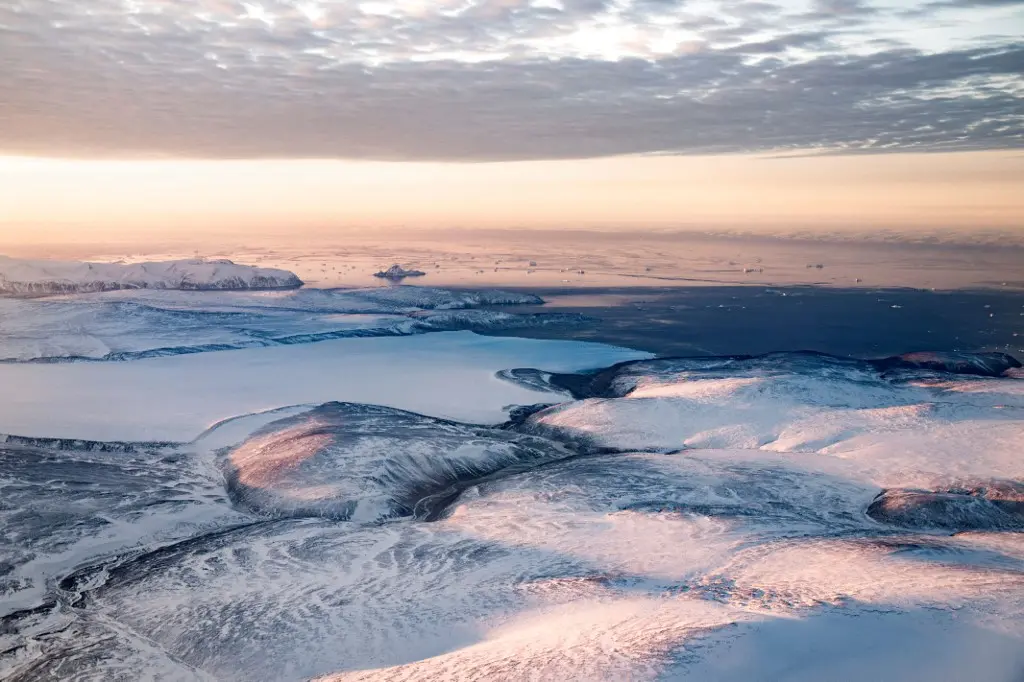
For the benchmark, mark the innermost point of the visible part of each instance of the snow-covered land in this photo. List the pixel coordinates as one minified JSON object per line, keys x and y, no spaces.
{"x":20,"y":277}
{"x":450,"y":506}
{"x":126,"y":325}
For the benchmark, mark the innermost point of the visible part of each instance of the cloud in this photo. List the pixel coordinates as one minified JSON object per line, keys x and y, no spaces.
{"x":783,"y":43}
{"x":496,"y":79}
{"x":974,"y":3}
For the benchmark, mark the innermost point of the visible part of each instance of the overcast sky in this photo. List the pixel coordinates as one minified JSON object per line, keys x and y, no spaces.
{"x":506,"y":79}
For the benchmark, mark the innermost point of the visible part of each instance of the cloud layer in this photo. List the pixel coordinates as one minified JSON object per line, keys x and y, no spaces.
{"x":507,"y":79}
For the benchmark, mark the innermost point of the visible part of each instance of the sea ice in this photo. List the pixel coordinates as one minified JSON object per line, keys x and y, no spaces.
{"x":449,"y":375}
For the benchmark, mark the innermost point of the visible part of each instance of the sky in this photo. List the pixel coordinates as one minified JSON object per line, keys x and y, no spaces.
{"x":161,"y":115}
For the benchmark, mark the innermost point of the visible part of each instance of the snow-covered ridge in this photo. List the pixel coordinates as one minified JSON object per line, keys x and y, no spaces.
{"x":644,"y":378}
{"x":20,"y":277}
{"x":349,"y":461}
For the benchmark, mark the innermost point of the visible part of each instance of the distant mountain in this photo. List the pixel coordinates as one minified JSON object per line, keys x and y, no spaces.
{"x":19,"y":277}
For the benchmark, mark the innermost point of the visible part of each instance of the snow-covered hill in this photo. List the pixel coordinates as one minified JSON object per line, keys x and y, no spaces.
{"x":22,"y":277}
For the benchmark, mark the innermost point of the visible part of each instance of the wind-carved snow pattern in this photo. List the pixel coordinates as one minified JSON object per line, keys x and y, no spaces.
{"x":20,"y":277}
{"x":794,"y":517}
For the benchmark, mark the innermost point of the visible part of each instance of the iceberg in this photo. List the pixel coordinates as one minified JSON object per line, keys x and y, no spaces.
{"x":396,"y":271}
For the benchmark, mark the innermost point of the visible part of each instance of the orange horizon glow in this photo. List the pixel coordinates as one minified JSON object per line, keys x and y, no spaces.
{"x":64,"y":200}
